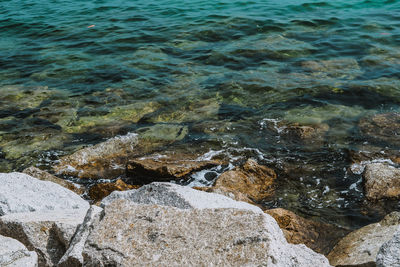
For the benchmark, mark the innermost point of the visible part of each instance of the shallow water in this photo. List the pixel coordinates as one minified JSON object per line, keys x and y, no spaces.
{"x":235,"y":72}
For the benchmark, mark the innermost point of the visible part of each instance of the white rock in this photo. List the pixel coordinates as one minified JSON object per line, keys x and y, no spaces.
{"x":173,"y":195}
{"x":48,"y":233}
{"x":389,"y":253}
{"x":15,"y":254}
{"x":22,"y":193}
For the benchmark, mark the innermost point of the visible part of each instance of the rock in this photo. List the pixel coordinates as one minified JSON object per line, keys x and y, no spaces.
{"x":308,"y":133}
{"x":73,"y":256}
{"x":48,"y":233}
{"x":104,"y":160}
{"x":22,"y":193}
{"x":15,"y":254}
{"x":152,"y":235}
{"x":343,"y":68}
{"x":45,"y":176}
{"x":99,"y":191}
{"x":381,"y":181}
{"x":382,"y":127}
{"x":253,"y":180}
{"x":360,"y":248}
{"x":320,"y":237}
{"x":389,"y":253}
{"x":165,"y":167}
{"x":173,"y":195}
{"x":108,"y":159}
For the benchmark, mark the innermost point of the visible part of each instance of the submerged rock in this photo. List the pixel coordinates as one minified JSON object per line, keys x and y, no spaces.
{"x":15,"y":254}
{"x":99,"y":191}
{"x":252,"y":180}
{"x":320,"y":237}
{"x":342,"y":68}
{"x":22,"y":193}
{"x":48,"y":233}
{"x":165,"y":167}
{"x":152,"y":235}
{"x":313,"y":134}
{"x":360,"y":248}
{"x":381,"y":181}
{"x":389,"y":253}
{"x":45,"y":176}
{"x":383,"y":127}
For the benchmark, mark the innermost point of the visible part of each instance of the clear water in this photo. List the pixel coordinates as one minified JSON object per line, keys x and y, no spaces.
{"x":236,"y":73}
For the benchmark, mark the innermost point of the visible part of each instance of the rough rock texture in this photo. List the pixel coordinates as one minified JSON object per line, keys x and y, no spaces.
{"x":360,"y":248}
{"x":320,"y":237}
{"x":15,"y":254}
{"x":48,"y":233}
{"x":381,"y":181}
{"x":99,"y":191}
{"x":73,"y":256}
{"x":151,"y":235}
{"x":22,"y":193}
{"x":45,"y":176}
{"x":389,"y":253}
{"x":104,"y":160}
{"x":173,"y":195}
{"x":253,"y":180}
{"x":383,"y":127}
{"x":305,"y":133}
{"x":165,"y":167}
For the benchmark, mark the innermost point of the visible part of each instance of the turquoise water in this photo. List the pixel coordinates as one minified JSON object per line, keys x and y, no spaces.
{"x":237,"y":73}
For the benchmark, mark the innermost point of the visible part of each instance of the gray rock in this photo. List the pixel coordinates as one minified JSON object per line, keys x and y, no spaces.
{"x":73,"y":256}
{"x":173,"y":195}
{"x":15,"y":254}
{"x":381,"y":181}
{"x":22,"y":193}
{"x":150,"y":235}
{"x":48,"y":233}
{"x":360,"y":248}
{"x":389,"y":253}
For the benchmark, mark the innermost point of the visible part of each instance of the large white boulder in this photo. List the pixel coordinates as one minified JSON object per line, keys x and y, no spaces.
{"x":15,"y":254}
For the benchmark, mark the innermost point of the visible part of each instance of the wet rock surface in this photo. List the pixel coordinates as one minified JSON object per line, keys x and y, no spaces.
{"x":131,"y":234}
{"x":22,"y":193}
{"x":381,"y":181}
{"x":360,"y":248}
{"x":252,"y":180}
{"x":320,"y":237}
{"x":382,"y":127}
{"x":13,"y":253}
{"x":165,"y":166}
{"x":99,"y":191}
{"x":389,"y":253}
{"x":45,"y":176}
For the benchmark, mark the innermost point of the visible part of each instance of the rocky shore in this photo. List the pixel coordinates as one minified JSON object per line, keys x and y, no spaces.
{"x":137,"y":214}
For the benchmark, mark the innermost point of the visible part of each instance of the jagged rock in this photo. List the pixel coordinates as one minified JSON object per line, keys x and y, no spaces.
{"x":99,"y":191}
{"x":73,"y":256}
{"x":320,"y":237}
{"x":151,"y":235}
{"x":360,"y":248}
{"x":168,"y":194}
{"x":45,"y":176}
{"x":15,"y":254}
{"x":22,"y":193}
{"x":104,"y":160}
{"x":381,"y":181}
{"x":253,"y":180}
{"x":383,"y":127}
{"x":389,"y":253}
{"x":165,"y":167}
{"x":48,"y":233}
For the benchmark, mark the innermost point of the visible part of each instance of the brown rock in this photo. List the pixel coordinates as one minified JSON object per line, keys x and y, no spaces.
{"x":165,"y":167}
{"x":306,"y":133}
{"x":45,"y":176}
{"x":99,"y":191}
{"x":252,"y":180}
{"x":320,"y":237}
{"x":384,"y":127}
{"x":381,"y":181}
{"x":236,"y":195}
{"x":360,"y":248}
